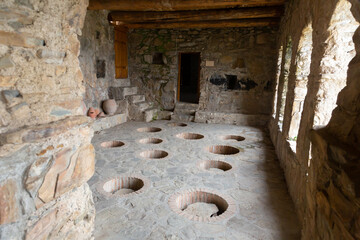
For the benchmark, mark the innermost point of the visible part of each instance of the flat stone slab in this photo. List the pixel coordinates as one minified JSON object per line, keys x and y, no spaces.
{"x":255,"y":183}
{"x":109,"y":121}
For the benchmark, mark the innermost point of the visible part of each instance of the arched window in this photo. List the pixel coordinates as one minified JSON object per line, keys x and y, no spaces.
{"x":278,"y":73}
{"x":340,"y":49}
{"x":284,"y":79}
{"x":303,"y":62}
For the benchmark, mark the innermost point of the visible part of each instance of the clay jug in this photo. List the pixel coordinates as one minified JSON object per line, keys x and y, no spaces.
{"x":92,"y":113}
{"x":109,"y":106}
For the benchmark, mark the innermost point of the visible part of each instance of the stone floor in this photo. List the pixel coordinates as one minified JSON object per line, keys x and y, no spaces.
{"x":263,"y":208}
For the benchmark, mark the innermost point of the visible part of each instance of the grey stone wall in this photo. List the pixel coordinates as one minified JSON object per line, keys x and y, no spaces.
{"x":247,"y":53}
{"x":97,"y":57}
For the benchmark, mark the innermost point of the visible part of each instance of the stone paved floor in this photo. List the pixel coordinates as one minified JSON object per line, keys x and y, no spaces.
{"x":263,"y":207}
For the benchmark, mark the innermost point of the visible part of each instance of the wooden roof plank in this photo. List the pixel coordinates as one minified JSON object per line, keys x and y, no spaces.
{"x":177,"y":5}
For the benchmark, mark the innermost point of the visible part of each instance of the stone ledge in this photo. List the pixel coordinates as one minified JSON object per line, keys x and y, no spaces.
{"x":231,"y":118}
{"x":39,"y":132}
{"x":108,"y":122}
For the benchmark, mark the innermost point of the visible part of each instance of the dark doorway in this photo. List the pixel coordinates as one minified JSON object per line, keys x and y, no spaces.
{"x":189,"y":74}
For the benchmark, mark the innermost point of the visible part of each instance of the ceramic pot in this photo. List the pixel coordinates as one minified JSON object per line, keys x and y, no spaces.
{"x":109,"y":106}
{"x":92,"y":113}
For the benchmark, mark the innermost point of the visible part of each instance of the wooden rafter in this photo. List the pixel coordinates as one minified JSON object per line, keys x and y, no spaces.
{"x":259,"y":22}
{"x":177,"y":5}
{"x":203,"y":15}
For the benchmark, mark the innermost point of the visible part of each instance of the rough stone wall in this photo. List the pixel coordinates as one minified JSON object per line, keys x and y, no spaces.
{"x":97,"y":57}
{"x":247,"y":53}
{"x":323,"y":184}
{"x":46,"y":155}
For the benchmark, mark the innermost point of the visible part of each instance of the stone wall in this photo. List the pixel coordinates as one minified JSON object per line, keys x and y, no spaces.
{"x":97,"y":57}
{"x":321,"y":166}
{"x":247,"y":53}
{"x":46,"y":156}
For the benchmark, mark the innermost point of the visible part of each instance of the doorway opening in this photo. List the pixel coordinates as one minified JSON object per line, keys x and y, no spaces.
{"x":189,"y":77}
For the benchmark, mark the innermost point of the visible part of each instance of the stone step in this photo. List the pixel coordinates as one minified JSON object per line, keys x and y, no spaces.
{"x":119,"y":93}
{"x":127,"y":91}
{"x":190,"y":112}
{"x":183,"y":117}
{"x":150,"y":114}
{"x":142,"y":106}
{"x":136,"y":98}
{"x":122,"y":83}
{"x":164,"y":115}
{"x":184,"y":105}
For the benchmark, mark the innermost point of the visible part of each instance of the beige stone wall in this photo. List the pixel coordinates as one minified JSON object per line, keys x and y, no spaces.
{"x":323,"y":183}
{"x":41,"y":80}
{"x":46,"y":156}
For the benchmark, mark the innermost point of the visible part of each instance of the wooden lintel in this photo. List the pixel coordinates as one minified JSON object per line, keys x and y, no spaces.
{"x":177,"y":5}
{"x":203,"y":15}
{"x":259,"y":22}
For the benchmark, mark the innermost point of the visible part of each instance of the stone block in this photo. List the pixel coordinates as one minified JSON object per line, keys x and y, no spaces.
{"x":148,"y":58}
{"x":108,"y":122}
{"x":80,"y":170}
{"x":115,"y":93}
{"x":47,"y":190}
{"x":6,"y":62}
{"x":9,"y":209}
{"x":11,"y":95}
{"x":51,"y":57}
{"x":20,"y":40}
{"x":36,"y":173}
{"x":7,"y":81}
{"x":60,"y":112}
{"x":15,"y":16}
{"x":122,"y":106}
{"x":85,"y":165}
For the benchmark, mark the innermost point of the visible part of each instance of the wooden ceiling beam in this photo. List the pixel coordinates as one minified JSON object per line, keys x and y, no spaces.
{"x":203,"y":15}
{"x":177,"y":5}
{"x":257,"y":22}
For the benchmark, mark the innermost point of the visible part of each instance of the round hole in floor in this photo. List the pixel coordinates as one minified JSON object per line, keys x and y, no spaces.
{"x":175,"y":124}
{"x":149,"y":129}
{"x":120,"y":186}
{"x":157,"y":154}
{"x":223,"y":150}
{"x":150,"y":140}
{"x":190,"y":136}
{"x":112,"y":144}
{"x":233,"y":137}
{"x":215,"y":166}
{"x":202,"y":205}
